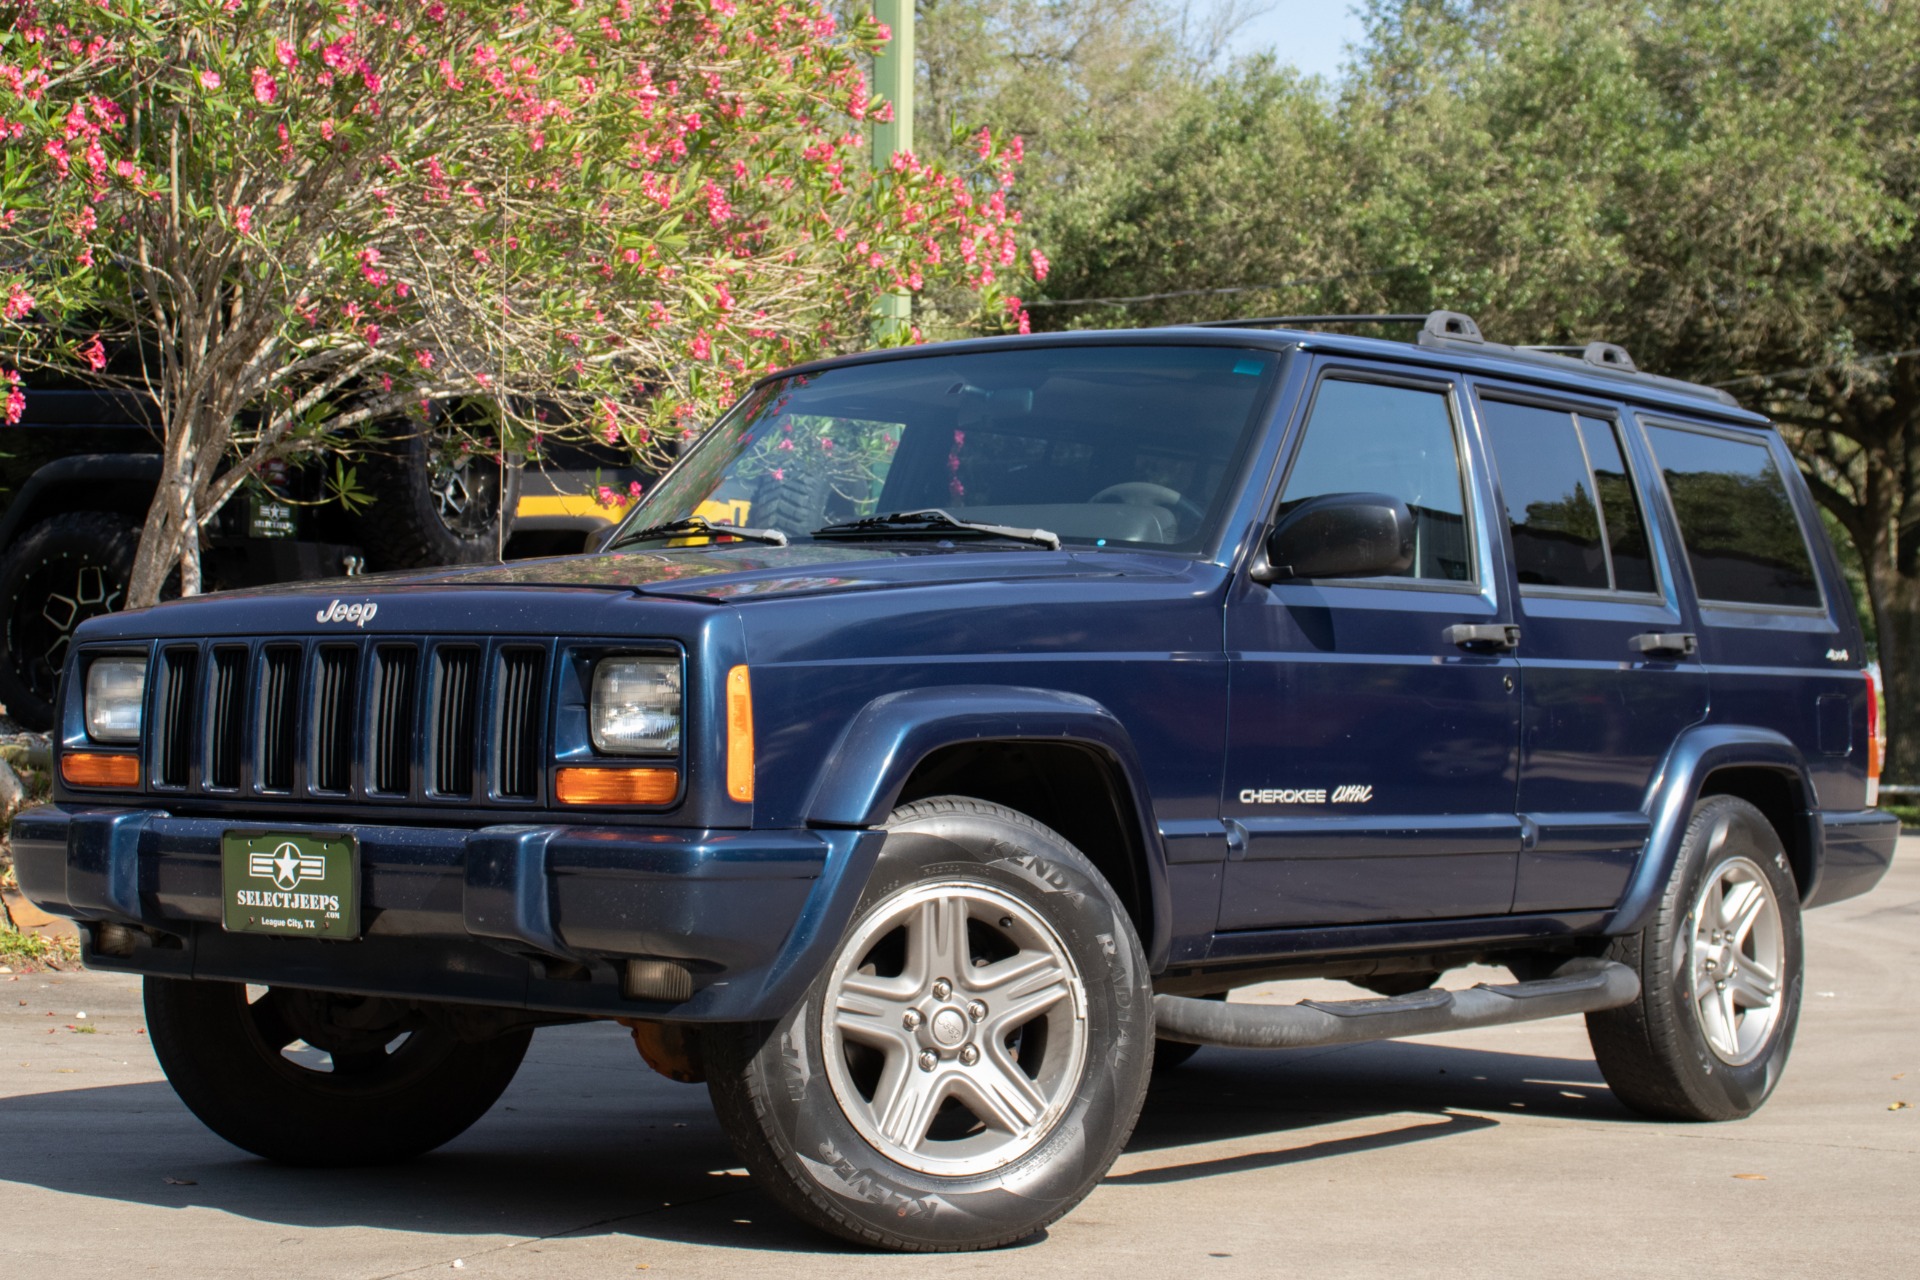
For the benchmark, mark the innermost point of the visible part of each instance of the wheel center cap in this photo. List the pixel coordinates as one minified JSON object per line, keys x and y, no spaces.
{"x":949,"y":1027}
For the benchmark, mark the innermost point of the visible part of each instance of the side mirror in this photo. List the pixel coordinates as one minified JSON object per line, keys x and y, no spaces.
{"x":1340,"y":535}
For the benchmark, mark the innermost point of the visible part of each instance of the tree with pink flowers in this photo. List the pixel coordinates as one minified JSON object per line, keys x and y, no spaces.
{"x":293,"y":223}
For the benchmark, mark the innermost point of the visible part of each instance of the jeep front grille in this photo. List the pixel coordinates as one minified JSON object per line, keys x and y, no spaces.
{"x":388,"y":721}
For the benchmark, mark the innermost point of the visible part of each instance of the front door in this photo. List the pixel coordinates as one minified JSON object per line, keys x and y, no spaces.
{"x":1372,"y":743}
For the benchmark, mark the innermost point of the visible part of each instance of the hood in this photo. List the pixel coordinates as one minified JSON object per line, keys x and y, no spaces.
{"x":735,"y":571}
{"x":573,"y":593}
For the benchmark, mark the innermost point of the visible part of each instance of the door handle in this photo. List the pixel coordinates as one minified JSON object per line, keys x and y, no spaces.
{"x":1683,"y":643}
{"x":1484,"y":635}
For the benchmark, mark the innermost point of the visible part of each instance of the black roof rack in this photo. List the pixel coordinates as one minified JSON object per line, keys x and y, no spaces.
{"x":1452,"y":329}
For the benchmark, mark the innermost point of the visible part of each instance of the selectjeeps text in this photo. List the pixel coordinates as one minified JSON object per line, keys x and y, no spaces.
{"x":954,"y":721}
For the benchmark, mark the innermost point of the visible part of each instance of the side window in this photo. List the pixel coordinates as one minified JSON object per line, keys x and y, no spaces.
{"x":1743,"y":539}
{"x":1626,"y":523}
{"x":1366,"y":437}
{"x":1572,"y":509}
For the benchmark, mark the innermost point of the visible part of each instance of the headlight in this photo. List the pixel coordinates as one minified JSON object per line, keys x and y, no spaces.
{"x":636,"y":706}
{"x":116,"y":689}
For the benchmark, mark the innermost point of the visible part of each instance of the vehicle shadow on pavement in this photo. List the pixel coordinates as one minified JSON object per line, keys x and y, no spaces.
{"x":1226,"y":1095}
{"x":575,"y":1149}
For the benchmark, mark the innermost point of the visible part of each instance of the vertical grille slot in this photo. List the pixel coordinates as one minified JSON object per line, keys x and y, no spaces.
{"x":226,"y":712}
{"x":173,"y":735}
{"x":517,"y":724}
{"x":279,"y":712}
{"x":456,"y":691}
{"x":391,"y":735}
{"x":331,"y":765}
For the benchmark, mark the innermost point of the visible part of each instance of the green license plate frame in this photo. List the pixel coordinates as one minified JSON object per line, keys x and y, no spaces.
{"x":290,"y":884}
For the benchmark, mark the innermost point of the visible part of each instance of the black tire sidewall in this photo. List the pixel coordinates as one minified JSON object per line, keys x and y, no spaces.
{"x":404,"y":520}
{"x":833,"y":1177}
{"x":1718,"y":1090}
{"x":244,"y":1092}
{"x":91,"y":537}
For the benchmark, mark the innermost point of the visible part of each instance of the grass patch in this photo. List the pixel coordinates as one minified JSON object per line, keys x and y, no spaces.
{"x":1909,"y":814}
{"x":30,"y":951}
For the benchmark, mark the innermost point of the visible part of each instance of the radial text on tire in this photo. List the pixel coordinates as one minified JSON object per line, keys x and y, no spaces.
{"x":973,"y":1058}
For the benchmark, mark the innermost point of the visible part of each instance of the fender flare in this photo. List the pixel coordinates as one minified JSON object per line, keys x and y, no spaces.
{"x":90,"y":468}
{"x":1697,"y":753}
{"x":882,"y":745}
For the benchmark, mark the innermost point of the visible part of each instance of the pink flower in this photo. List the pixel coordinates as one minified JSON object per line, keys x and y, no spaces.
{"x":19,"y":302}
{"x":1040,"y":265}
{"x":265,"y":87}
{"x":209,"y":79}
{"x":372,"y":334}
{"x":94,"y":354}
{"x":243,"y":219}
{"x":423,"y":358}
{"x":285,"y":53}
{"x":702,"y":347}
{"x":16,"y":402}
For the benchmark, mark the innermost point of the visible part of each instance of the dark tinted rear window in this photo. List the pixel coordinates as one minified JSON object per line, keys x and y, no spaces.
{"x":1572,"y":509}
{"x":1743,"y":540}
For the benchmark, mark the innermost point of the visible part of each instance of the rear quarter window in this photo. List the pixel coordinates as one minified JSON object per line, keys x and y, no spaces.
{"x":1743,"y":539}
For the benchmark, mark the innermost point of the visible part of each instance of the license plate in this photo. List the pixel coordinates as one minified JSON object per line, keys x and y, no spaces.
{"x":293,"y":885}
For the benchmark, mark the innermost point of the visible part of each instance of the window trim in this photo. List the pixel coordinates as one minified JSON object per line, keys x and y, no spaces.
{"x":1449,"y":389}
{"x":1611,"y":415}
{"x":1822,"y":610}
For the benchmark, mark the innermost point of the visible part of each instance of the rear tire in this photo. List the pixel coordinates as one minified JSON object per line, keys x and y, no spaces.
{"x":1720,"y":976}
{"x":63,"y":571}
{"x":385,"y":1100}
{"x":989,"y":971}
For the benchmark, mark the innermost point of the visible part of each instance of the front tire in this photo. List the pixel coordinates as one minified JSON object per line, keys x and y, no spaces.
{"x":973,"y":1058}
{"x":1720,"y":976}
{"x":390,"y":1087}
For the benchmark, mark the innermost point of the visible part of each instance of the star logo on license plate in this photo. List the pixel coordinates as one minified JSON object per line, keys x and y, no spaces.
{"x":286,"y":866}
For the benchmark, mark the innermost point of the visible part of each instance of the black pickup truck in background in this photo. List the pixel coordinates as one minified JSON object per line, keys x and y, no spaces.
{"x":78,"y":471}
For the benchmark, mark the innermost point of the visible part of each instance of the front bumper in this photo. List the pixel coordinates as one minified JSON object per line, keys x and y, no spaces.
{"x":535,"y":917}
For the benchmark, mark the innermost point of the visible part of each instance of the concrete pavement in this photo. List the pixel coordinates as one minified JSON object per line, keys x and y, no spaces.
{"x":1489,"y":1153}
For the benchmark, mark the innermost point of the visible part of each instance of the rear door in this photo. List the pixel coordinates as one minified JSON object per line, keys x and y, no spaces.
{"x":1608,"y":665}
{"x":1371,"y":758}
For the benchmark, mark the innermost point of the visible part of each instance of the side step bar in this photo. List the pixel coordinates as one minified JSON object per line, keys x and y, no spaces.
{"x":1594,"y":985}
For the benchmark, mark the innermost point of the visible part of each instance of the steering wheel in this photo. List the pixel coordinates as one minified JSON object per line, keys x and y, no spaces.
{"x":1144,"y":493}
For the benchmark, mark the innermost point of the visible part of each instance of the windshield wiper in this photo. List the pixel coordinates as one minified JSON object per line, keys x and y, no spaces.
{"x":697,"y":526}
{"x":934,"y":521}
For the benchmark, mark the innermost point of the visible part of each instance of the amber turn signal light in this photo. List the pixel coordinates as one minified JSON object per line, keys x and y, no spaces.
{"x":739,"y":735}
{"x":99,"y":769}
{"x":589,"y":785}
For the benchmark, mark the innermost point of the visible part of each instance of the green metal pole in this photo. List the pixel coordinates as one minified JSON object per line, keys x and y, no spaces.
{"x":893,"y":81}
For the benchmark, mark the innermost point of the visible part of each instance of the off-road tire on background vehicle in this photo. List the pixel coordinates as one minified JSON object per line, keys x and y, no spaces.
{"x":795,"y":505}
{"x":413,"y":522}
{"x":1028,"y":895}
{"x":381,"y":1104}
{"x":1656,"y":1053}
{"x":64,"y":570}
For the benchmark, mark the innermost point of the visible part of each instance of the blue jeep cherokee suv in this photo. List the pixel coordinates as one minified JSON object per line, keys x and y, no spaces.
{"x":955,"y":723}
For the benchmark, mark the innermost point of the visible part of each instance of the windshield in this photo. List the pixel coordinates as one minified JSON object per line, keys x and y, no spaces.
{"x":1113,"y":445}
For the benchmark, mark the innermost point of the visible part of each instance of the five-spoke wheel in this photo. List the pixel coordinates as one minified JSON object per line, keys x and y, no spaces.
{"x":1719,"y":968}
{"x":973,"y":1055}
{"x":956,"y":1034}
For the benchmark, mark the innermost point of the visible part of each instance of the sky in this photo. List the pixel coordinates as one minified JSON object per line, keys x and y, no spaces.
{"x":1311,"y":34}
